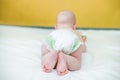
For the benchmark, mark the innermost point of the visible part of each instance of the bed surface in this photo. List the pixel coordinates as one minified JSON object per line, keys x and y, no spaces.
{"x":20,"y":55}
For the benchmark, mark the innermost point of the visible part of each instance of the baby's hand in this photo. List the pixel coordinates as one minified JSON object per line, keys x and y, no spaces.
{"x":84,"y":38}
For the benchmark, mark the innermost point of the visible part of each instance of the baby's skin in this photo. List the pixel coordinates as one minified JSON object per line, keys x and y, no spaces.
{"x":53,"y":59}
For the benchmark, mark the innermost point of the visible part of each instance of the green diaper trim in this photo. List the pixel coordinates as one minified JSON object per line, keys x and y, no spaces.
{"x":75,"y":45}
{"x":50,"y":42}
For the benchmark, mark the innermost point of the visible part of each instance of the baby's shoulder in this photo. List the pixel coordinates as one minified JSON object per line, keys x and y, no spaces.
{"x":78,"y":33}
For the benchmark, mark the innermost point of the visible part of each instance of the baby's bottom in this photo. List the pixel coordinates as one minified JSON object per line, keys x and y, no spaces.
{"x":60,"y":61}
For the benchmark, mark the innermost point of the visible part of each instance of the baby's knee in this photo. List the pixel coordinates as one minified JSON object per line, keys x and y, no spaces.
{"x":74,"y":68}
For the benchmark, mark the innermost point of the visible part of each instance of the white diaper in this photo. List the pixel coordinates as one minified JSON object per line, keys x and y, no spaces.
{"x":63,"y":40}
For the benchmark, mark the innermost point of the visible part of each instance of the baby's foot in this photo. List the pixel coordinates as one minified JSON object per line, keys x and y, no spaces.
{"x":61,"y":65}
{"x":49,"y":62}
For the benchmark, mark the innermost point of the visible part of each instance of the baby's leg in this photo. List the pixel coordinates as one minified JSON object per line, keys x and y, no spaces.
{"x":74,"y":59}
{"x":61,"y":64}
{"x":73,"y":63}
{"x":49,"y":59}
{"x":66,"y":62}
{"x":44,"y":50}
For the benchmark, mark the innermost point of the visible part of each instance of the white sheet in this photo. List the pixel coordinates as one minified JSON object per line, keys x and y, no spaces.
{"x":20,"y":57}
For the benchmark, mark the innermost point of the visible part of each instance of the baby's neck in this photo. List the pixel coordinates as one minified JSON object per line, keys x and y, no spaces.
{"x":65,"y":29}
{"x":69,"y":29}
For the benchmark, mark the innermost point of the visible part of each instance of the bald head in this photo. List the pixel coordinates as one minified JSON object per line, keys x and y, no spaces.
{"x":66,"y":15}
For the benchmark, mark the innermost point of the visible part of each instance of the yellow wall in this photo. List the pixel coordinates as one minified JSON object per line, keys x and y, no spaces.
{"x":89,"y":13}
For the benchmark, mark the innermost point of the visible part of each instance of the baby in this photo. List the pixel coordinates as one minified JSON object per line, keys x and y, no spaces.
{"x":62,"y":49}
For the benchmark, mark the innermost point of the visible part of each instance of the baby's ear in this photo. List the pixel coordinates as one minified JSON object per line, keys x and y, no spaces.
{"x":74,"y":27}
{"x":55,"y":27}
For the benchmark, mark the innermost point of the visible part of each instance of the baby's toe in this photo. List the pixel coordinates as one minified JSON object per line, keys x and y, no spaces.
{"x":46,"y":69}
{"x":62,"y":73}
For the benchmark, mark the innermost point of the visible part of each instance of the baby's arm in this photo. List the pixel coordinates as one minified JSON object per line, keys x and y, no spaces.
{"x":83,"y":46}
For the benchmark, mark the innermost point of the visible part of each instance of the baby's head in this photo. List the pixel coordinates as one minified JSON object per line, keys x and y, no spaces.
{"x":65,"y":19}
